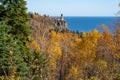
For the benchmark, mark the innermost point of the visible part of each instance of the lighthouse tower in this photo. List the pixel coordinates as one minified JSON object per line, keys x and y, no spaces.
{"x":61,"y":17}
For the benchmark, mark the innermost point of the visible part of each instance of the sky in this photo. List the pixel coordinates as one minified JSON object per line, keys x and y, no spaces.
{"x":74,"y":7}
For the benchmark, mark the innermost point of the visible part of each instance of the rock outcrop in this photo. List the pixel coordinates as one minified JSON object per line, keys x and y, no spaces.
{"x":60,"y":23}
{"x":39,"y":22}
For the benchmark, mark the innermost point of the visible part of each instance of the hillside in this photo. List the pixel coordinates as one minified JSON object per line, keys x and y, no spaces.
{"x":35,"y":47}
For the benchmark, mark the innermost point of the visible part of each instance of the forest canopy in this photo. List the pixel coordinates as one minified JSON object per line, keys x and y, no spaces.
{"x":33,"y":48}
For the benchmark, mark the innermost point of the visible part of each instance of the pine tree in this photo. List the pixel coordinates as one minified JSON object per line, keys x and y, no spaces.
{"x":13,"y":45}
{"x":11,"y":59}
{"x":15,"y":14}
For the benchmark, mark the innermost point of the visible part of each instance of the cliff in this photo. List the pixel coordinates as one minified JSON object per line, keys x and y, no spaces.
{"x":61,"y":23}
{"x":41,"y":22}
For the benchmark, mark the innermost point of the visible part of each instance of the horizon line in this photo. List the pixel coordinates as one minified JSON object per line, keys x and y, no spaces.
{"x":85,"y":16}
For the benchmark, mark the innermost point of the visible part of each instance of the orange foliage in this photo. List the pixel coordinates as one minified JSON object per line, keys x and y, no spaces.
{"x":75,"y":56}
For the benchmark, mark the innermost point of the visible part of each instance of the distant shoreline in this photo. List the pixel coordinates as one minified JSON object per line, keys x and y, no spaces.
{"x":87,"y":16}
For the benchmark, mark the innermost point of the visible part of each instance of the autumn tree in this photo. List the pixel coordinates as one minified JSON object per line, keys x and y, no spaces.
{"x":105,"y":54}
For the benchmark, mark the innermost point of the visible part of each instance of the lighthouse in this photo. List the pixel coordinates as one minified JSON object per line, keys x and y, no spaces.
{"x":61,"y":17}
{"x":61,"y":23}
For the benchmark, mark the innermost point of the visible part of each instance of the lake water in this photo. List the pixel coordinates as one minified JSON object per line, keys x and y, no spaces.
{"x":87,"y":24}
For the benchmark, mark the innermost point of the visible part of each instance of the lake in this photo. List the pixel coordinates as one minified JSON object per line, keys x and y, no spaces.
{"x":87,"y":24}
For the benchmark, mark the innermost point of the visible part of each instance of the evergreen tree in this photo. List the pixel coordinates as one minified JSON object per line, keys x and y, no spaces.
{"x":38,"y":66}
{"x":11,"y":59}
{"x":16,"y":57}
{"x":15,"y":15}
{"x":14,"y":49}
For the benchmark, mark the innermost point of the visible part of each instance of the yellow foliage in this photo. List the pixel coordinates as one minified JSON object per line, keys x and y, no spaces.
{"x":74,"y":70}
{"x":35,"y":45}
{"x":53,"y":34}
{"x":83,"y":35}
{"x":12,"y":73}
{"x":74,"y":73}
{"x":77,"y":39}
{"x":53,"y":64}
{"x":11,"y":53}
{"x":80,"y":51}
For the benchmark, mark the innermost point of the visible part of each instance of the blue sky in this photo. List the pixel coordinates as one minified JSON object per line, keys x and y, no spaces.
{"x":74,"y":7}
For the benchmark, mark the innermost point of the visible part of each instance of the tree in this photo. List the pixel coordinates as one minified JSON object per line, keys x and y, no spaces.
{"x":105,"y":54}
{"x":38,"y":66}
{"x":11,"y":61}
{"x":16,"y":16}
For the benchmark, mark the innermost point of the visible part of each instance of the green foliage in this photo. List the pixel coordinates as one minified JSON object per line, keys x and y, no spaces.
{"x":117,"y":77}
{"x":17,"y":60}
{"x":16,"y":16}
{"x":13,"y":38}
{"x":10,"y":52}
{"x":38,"y":65}
{"x":79,"y":56}
{"x":94,"y":78}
